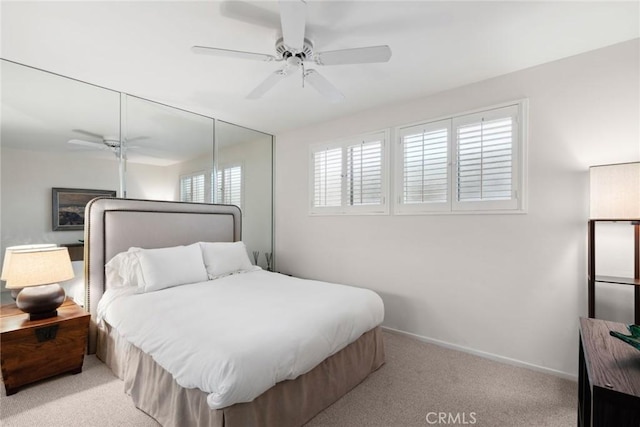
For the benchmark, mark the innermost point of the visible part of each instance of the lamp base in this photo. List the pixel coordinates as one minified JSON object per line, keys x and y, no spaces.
{"x":42,"y":301}
{"x":46,"y":315}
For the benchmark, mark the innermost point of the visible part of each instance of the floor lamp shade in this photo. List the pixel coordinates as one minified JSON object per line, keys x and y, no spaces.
{"x":615,"y":191}
{"x":37,"y":272}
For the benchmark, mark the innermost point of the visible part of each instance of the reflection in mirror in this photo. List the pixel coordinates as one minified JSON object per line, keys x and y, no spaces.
{"x":166,"y":143}
{"x":52,"y":135}
{"x":64,"y":133}
{"x":244,"y":163}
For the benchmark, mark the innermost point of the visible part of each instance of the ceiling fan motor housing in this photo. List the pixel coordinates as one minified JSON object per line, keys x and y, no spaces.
{"x":111,"y":142}
{"x":285,"y":53}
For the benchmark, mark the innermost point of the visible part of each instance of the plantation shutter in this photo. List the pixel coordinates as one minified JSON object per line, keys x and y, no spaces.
{"x":229,"y":183}
{"x":364,"y":173}
{"x":485,"y":147}
{"x":327,"y":178}
{"x":192,"y":188}
{"x":425,"y":166}
{"x":349,"y":176}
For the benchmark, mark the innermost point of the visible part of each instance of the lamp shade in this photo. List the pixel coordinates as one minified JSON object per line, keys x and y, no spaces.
{"x":615,"y":191}
{"x":34,"y":267}
{"x":10,"y":249}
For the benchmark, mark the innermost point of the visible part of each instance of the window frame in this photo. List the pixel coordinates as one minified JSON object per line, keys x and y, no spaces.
{"x":346,"y":209}
{"x":453,"y":207}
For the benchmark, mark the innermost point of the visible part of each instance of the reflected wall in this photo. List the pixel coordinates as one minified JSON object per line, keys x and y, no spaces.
{"x":170,"y":141}
{"x":248,"y":155}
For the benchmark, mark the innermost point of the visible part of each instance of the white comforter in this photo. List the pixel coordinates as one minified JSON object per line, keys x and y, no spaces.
{"x":237,"y":336}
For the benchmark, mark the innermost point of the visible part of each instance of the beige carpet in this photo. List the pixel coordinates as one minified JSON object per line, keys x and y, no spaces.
{"x":418,"y":381}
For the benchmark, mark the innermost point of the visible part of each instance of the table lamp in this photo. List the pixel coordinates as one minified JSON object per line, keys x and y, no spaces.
{"x":37,"y":272}
{"x":14,"y":292}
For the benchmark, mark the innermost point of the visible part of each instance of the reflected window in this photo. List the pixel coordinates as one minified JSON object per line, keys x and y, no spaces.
{"x":229,"y":185}
{"x":192,"y":188}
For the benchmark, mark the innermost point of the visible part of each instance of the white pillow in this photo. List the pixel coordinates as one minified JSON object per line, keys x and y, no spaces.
{"x":123,"y":270}
{"x":167,"y":267}
{"x":224,"y":258}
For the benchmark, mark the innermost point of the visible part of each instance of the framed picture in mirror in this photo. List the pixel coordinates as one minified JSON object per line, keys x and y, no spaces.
{"x":68,"y":206}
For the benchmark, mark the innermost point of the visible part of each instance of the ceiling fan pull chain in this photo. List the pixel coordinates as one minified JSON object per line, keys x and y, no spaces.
{"x":302,"y":75}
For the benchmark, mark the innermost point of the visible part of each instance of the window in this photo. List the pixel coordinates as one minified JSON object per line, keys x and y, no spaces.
{"x":229,"y":185}
{"x":471,"y":162}
{"x":350,"y":176}
{"x":485,"y":157}
{"x":198,"y":187}
{"x":425,"y":166}
{"x":192,"y":188}
{"x":327,"y":183}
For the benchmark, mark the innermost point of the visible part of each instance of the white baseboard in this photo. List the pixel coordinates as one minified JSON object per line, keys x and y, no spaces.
{"x":486,"y":355}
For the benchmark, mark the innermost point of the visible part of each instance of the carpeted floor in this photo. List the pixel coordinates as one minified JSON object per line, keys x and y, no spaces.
{"x":421,"y":384}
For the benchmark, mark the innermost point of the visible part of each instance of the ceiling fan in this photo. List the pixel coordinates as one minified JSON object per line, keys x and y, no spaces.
{"x":109,"y":143}
{"x":105,"y":142}
{"x":295,"y":50}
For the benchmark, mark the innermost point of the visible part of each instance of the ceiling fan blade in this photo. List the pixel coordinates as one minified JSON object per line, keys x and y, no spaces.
{"x":232,"y":53}
{"x":293,"y":16}
{"x":87,"y":133}
{"x":269,"y":82}
{"x":95,"y":145}
{"x":358,"y":55}
{"x":136,"y":138}
{"x":249,"y":13}
{"x":323,"y":86}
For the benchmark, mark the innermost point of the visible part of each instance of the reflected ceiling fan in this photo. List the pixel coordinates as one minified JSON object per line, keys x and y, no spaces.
{"x":105,"y":142}
{"x":295,"y":50}
{"x":109,"y":143}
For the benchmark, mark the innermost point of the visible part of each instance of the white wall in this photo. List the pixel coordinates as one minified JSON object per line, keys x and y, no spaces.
{"x":508,"y":285}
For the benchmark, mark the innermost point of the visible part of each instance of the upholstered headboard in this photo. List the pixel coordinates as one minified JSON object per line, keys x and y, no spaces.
{"x":114,"y":225}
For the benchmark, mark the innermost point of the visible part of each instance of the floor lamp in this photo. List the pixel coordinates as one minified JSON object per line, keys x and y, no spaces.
{"x":614,"y":197}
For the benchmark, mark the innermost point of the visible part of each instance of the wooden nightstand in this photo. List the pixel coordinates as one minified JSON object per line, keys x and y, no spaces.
{"x":34,"y":350}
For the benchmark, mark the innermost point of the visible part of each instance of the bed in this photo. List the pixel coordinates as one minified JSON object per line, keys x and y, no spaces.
{"x":113,"y":226}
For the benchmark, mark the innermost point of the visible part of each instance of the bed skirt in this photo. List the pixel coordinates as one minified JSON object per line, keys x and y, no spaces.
{"x":288,"y":403}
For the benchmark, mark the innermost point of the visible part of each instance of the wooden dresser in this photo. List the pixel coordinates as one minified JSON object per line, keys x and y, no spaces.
{"x":609,"y":377}
{"x":34,"y":350}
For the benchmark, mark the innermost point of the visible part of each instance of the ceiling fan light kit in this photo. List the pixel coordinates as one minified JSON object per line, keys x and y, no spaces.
{"x":295,"y":50}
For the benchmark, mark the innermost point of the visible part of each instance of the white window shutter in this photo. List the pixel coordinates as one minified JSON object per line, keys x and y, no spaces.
{"x":233,"y":186}
{"x":467,"y":163}
{"x":192,"y":188}
{"x":486,"y":160}
{"x":364,"y":174}
{"x":423,"y":165}
{"x":229,"y":185}
{"x":327,"y":178}
{"x":185,"y":189}
{"x":349,"y":176}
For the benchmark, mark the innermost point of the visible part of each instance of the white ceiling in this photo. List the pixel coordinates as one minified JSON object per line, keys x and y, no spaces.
{"x":143,"y":48}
